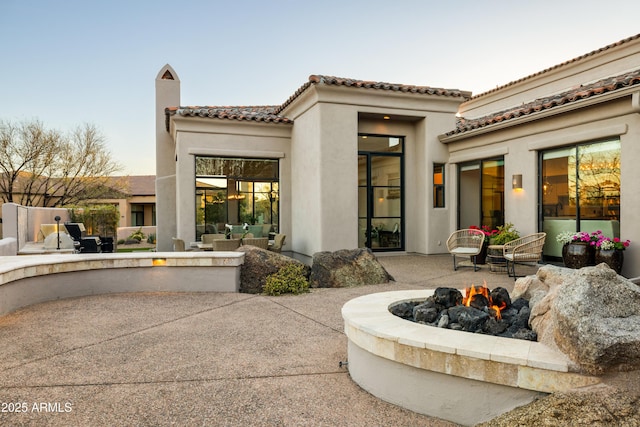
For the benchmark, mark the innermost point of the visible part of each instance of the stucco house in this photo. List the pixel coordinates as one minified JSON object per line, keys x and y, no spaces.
{"x":347,"y":163}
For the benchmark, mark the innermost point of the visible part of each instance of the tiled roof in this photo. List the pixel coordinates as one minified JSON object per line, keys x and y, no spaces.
{"x":261,"y":113}
{"x":610,"y":84}
{"x":134,"y":185}
{"x":546,"y":70}
{"x":271,"y":113}
{"x":365,"y":84}
{"x":142,"y":185}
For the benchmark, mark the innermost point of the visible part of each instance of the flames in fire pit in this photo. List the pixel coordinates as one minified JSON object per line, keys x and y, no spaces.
{"x":480,"y":310}
{"x":481,"y":297}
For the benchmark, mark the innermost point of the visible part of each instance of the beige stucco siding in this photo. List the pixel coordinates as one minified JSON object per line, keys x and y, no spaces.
{"x":521,"y":144}
{"x":213,"y":137}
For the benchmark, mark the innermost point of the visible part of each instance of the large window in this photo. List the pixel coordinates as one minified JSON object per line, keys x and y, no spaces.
{"x":580,"y":191}
{"x":235,"y":191}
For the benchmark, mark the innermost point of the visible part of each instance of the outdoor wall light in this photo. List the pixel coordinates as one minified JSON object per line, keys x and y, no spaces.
{"x":159,"y":262}
{"x":516,"y":181}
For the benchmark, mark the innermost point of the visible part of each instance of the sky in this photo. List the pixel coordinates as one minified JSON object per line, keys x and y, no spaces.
{"x":67,"y":62}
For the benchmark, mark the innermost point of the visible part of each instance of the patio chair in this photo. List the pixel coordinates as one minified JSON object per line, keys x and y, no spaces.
{"x":179,"y":245}
{"x":260,"y":242}
{"x":466,"y":242}
{"x":87,"y":244}
{"x":278,"y":243}
{"x":209,"y":238}
{"x":526,"y":249}
{"x":226,"y":244}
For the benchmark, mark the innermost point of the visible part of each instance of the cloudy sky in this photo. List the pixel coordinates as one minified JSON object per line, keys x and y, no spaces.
{"x":70,"y":62}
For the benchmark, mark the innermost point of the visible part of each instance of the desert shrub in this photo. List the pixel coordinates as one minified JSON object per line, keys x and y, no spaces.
{"x":137,"y":235}
{"x":289,"y":279}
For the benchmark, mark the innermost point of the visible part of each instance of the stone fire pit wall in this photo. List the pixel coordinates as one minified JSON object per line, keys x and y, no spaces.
{"x":458,"y":376}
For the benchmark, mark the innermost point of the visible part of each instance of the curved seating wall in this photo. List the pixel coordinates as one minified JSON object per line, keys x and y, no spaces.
{"x":26,"y":280}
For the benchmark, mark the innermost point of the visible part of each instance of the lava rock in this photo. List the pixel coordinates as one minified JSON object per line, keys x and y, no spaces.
{"x":500,"y":297}
{"x":404,"y":309}
{"x":494,"y":326}
{"x":478,"y":301}
{"x":469,"y":318}
{"x":447,"y":297}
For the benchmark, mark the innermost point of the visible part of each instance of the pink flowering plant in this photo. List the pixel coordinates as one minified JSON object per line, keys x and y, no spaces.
{"x":606,"y":243}
{"x":595,"y":239}
{"x":571,"y":237}
{"x":488,"y":232}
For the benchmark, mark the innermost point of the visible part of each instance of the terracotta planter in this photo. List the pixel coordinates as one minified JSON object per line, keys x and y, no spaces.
{"x":612,"y":257}
{"x":578,"y":255}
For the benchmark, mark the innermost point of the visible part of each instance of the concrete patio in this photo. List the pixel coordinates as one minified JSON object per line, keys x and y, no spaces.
{"x":202,"y":358}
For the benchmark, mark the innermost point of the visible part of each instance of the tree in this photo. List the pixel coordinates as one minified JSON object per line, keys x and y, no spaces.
{"x":45,"y":167}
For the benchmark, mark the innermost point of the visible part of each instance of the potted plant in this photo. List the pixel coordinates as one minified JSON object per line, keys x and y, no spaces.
{"x":481,"y":258}
{"x":504,"y":233}
{"x":610,"y":251}
{"x":578,"y":249}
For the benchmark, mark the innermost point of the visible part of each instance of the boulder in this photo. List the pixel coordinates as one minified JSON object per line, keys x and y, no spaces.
{"x":347,"y":268}
{"x":260,"y":263}
{"x":591,"y":314}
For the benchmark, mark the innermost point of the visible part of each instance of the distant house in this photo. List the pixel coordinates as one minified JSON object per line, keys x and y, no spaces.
{"x":137,"y":199}
{"x":347,"y":163}
{"x":133,"y":195}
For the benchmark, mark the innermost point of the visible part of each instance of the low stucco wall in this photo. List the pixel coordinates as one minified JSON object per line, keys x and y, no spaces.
{"x":8,"y":246}
{"x":458,"y":376}
{"x":27,"y":280}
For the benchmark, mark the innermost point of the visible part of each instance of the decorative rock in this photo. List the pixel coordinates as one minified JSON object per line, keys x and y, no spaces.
{"x":260,"y":263}
{"x":591,"y":314}
{"x":347,"y":268}
{"x":447,"y":297}
{"x":404,"y":309}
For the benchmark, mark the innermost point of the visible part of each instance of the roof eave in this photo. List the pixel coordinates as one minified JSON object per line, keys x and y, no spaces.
{"x":634,"y":91}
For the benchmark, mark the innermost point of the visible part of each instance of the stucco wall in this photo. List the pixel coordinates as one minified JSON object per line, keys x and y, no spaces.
{"x":207,"y":137}
{"x":521,"y":145}
{"x":23,"y":222}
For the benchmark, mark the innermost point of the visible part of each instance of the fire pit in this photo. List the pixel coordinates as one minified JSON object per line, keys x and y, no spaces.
{"x":479,"y":310}
{"x":462,"y":377}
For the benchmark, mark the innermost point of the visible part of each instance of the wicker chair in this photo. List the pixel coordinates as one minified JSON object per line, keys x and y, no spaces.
{"x":209,"y":238}
{"x":526,"y":249}
{"x":260,"y":242}
{"x":278,"y":242}
{"x":178,"y":245}
{"x":226,"y":244}
{"x":466,"y":242}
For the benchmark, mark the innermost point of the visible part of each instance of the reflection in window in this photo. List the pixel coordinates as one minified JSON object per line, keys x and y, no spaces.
{"x":580,"y":190}
{"x":481,"y":193}
{"x":235,"y":191}
{"x":438,"y":185}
